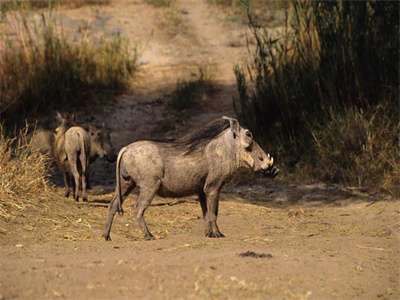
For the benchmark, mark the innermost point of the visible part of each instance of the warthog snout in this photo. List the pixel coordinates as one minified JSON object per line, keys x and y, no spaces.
{"x":110,"y":156}
{"x":271,"y":171}
{"x":269,"y":168}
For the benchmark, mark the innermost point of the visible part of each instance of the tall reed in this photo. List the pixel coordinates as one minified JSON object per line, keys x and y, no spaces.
{"x":332,"y":60}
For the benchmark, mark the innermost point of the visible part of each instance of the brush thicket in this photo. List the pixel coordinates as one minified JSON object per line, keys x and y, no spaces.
{"x":322,"y":82}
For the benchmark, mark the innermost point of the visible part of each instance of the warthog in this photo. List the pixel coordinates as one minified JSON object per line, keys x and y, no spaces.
{"x":71,"y":152}
{"x":100,"y":143}
{"x":42,"y":140}
{"x":198,"y":163}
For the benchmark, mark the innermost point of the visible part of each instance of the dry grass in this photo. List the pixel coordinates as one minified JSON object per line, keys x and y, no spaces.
{"x":23,"y":181}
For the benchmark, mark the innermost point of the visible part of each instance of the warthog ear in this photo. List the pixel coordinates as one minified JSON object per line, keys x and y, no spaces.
{"x":59,"y":117}
{"x":234,"y":124}
{"x":92,"y":128}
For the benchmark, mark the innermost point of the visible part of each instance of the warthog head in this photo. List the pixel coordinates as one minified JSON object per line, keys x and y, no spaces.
{"x":250,"y":153}
{"x":100,"y":143}
{"x":65,"y":120}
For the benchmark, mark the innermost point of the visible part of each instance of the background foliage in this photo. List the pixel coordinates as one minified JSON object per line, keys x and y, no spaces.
{"x":324,"y":94}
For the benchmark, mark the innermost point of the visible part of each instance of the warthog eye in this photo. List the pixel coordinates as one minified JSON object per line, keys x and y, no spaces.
{"x":261,"y":158}
{"x":248,"y":134}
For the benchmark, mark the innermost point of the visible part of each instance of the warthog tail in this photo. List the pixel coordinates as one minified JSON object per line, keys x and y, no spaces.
{"x":118,"y":192}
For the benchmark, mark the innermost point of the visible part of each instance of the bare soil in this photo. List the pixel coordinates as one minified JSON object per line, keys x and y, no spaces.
{"x":284,"y":240}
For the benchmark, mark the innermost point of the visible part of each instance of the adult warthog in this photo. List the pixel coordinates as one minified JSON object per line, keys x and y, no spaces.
{"x":198,"y":163}
{"x":71,"y":150}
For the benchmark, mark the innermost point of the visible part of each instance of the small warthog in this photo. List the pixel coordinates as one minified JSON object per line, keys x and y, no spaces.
{"x":71,"y":152}
{"x":198,"y":163}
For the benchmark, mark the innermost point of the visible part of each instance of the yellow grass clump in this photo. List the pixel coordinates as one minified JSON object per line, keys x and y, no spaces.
{"x":23,"y":174}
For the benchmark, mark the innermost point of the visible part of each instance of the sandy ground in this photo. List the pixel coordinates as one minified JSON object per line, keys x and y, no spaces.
{"x":283,"y":240}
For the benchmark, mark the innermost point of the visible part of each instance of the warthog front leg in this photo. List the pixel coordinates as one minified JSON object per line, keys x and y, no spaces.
{"x":212,"y":199}
{"x":143,"y":202}
{"x":126,"y":188}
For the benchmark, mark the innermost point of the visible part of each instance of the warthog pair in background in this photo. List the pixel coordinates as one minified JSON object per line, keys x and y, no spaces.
{"x":198,"y":163}
{"x":73,"y":148}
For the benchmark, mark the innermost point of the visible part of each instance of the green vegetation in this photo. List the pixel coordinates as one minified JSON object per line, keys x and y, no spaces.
{"x":189,"y":93}
{"x":265,"y":12}
{"x":159,"y":3}
{"x":324,"y":95}
{"x":37,"y":4}
{"x":42,"y":71}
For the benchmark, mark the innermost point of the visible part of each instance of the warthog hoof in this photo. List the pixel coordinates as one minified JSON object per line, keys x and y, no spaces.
{"x":106,"y":237}
{"x":76,"y":199}
{"x":214,"y":234}
{"x":149,"y":237}
{"x":84,"y":199}
{"x":66,"y":194}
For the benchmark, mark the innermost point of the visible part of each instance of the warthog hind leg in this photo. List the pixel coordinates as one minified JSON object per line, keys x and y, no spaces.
{"x":75,"y":174}
{"x":66,"y":182}
{"x":143,"y":202}
{"x":126,"y":187}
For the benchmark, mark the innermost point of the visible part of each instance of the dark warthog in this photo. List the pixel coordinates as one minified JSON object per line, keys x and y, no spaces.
{"x":42,"y":140}
{"x":71,"y":152}
{"x":100,"y":143}
{"x":198,"y":163}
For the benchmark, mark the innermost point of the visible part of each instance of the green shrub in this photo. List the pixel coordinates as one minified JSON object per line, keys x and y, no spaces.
{"x":189,"y":93}
{"x":324,"y":81}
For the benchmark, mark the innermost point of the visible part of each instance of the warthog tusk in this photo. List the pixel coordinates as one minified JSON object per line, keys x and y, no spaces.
{"x":269,"y":156}
{"x":272,"y":161}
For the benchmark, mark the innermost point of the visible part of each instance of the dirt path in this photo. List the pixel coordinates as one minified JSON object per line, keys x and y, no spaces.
{"x":283,"y":240}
